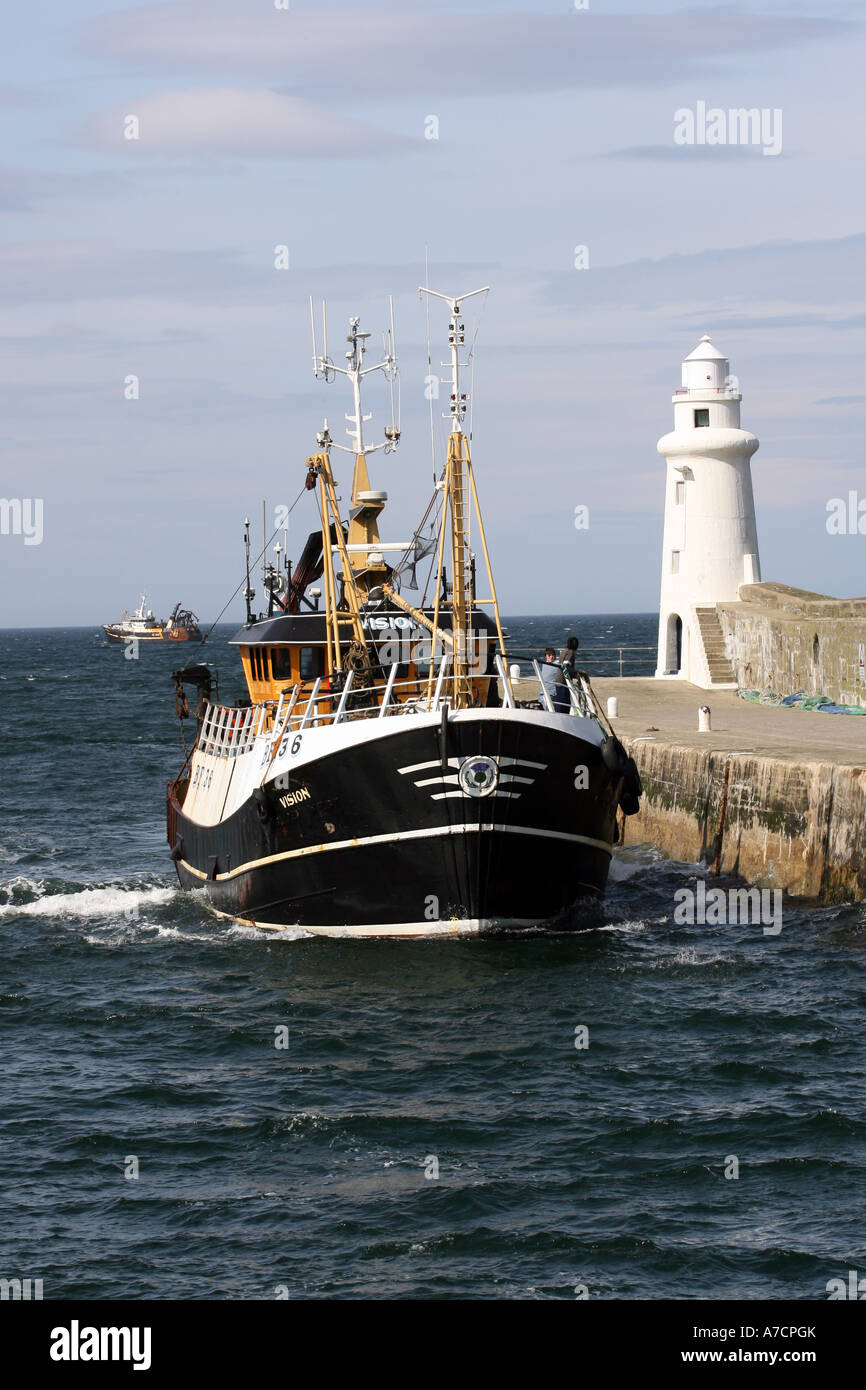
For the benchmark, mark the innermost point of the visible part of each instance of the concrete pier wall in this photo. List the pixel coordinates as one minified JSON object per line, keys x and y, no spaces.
{"x":789,"y":640}
{"x":775,"y":822}
{"x":776,"y":795}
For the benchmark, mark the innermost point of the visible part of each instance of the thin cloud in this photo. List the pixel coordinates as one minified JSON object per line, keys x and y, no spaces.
{"x":374,"y":53}
{"x":11,"y":97}
{"x":841,"y":400}
{"x":22,"y":190}
{"x":70,"y":272}
{"x":234,"y":122}
{"x":737,"y":284}
{"x":688,"y":153}
{"x":97,"y":272}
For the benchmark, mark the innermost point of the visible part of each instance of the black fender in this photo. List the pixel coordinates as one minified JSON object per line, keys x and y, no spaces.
{"x":614,"y":756}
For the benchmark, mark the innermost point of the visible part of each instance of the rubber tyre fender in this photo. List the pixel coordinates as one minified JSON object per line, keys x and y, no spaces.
{"x":614,"y":756}
{"x":633,"y":783}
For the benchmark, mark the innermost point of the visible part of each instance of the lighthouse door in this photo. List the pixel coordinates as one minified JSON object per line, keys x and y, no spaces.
{"x":674,"y":645}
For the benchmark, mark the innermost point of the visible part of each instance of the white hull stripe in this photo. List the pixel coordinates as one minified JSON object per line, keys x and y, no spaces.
{"x":389,"y":839}
{"x":452,"y":780}
{"x":460,"y":926}
{"x":443,"y":796}
{"x":456,"y":762}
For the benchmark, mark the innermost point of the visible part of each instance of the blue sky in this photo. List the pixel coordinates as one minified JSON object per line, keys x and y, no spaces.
{"x":262,"y":127}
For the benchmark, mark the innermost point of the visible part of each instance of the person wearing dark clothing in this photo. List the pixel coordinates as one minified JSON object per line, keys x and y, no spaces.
{"x":568,"y":655}
{"x":561,"y":698}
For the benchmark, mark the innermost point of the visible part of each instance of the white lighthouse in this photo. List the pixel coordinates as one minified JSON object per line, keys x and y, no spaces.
{"x":710,"y":539}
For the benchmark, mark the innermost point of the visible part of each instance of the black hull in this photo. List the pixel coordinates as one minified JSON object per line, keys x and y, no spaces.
{"x":353,"y":843}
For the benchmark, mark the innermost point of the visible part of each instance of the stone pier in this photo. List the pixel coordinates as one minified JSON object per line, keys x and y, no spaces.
{"x":775,"y":795}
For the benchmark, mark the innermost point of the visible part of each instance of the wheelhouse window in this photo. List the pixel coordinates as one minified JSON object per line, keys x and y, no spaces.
{"x":311,"y":662}
{"x":281,"y":663}
{"x":702,"y":419}
{"x":259,"y":663}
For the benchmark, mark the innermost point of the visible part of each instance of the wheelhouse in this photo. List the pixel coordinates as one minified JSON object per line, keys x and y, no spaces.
{"x":292,"y":650}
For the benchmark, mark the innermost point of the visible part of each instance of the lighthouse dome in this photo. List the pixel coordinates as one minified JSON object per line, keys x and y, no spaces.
{"x":705,"y":367}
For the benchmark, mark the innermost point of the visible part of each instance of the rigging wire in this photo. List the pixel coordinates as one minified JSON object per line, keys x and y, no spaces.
{"x":472,"y":362}
{"x":261,"y":553}
{"x":429,"y":366}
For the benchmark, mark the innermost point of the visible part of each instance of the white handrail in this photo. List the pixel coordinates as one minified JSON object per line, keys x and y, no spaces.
{"x":221,"y":733}
{"x":341,"y":708}
{"x":310,"y":703}
{"x":296,"y":690}
{"x":247,"y":729}
{"x":386,"y":698}
{"x":276,"y":729}
{"x":507,"y":691}
{"x":545,"y":694}
{"x":437,"y":694}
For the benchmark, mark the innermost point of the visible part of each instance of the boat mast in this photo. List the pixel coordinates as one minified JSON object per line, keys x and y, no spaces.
{"x":367,"y":563}
{"x":249,"y":593}
{"x":362,"y":567}
{"x":456,"y":507}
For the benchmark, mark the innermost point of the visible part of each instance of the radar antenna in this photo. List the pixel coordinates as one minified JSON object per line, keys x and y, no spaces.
{"x":354,"y":372}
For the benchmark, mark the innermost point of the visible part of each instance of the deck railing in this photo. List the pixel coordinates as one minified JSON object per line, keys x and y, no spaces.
{"x":621,"y":657}
{"x":228,"y":731}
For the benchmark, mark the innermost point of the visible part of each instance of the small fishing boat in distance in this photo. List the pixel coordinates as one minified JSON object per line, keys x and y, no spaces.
{"x":182,"y":626}
{"x":144,"y":626}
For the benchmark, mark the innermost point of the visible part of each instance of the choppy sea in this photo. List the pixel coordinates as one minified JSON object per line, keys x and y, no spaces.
{"x":431,"y":1128}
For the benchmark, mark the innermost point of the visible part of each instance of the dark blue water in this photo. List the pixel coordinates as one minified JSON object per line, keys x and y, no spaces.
{"x":135,"y":1024}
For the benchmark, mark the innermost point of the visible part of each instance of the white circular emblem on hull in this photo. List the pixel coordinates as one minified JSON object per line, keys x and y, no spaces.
{"x":478,"y":776}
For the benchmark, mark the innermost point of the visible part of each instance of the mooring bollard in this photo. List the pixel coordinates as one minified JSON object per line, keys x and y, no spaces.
{"x":612,"y":706}
{"x":704,"y":719}
{"x":514,"y":672}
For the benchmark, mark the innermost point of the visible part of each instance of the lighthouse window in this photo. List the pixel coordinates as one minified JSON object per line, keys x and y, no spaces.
{"x":675,"y":562}
{"x":702,"y":419}
{"x":681,"y":494}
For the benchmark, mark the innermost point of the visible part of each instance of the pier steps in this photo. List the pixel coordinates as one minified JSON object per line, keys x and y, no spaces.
{"x":713,"y":638}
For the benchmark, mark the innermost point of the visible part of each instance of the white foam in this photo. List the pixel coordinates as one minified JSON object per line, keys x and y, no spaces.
{"x":23,"y":885}
{"x":92,"y":902}
{"x":689,"y":956}
{"x":625,"y":926}
{"x":622,"y":869}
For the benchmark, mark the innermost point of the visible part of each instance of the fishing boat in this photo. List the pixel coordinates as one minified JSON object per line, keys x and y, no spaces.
{"x":381,"y":777}
{"x":144,"y":626}
{"x":182,"y":626}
